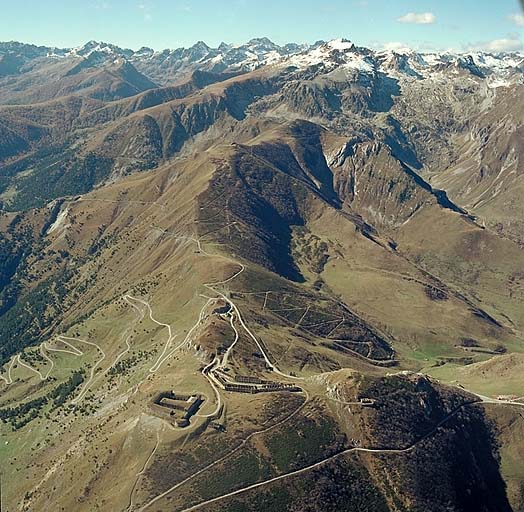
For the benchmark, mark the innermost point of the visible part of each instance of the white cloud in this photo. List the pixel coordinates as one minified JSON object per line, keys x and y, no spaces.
{"x":517,"y":19}
{"x":395,"y":46}
{"x":508,"y":44}
{"x":418,"y":18}
{"x":505,"y":45}
{"x":404,"y":46}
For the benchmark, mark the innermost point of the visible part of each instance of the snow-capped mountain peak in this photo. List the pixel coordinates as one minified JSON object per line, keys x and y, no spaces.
{"x":167,"y":65}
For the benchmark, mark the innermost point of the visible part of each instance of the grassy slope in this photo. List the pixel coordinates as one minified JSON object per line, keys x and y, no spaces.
{"x":130,"y":255}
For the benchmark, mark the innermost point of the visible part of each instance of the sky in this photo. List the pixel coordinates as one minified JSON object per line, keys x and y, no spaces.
{"x":460,"y":25}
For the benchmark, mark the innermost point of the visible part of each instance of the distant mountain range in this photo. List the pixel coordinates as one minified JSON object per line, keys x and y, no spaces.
{"x":167,"y":65}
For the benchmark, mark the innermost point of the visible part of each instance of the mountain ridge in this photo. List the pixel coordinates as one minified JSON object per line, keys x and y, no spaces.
{"x":320,"y":247}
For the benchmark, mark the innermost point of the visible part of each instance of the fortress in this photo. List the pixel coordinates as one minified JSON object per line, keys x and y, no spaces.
{"x":178,"y":407}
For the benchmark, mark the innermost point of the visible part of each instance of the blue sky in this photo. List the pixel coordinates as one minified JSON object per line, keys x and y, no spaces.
{"x":421,"y":24}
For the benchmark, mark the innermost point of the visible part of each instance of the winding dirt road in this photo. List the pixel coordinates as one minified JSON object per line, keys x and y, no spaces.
{"x":224,"y":457}
{"x":327,"y":460}
{"x":141,"y":472}
{"x":128,"y":298}
{"x":87,"y":385}
{"x":29,"y":367}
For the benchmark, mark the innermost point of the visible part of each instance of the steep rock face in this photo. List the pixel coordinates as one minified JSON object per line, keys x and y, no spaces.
{"x":381,"y":188}
{"x":310,"y":99}
{"x":372,"y":182}
{"x":487,"y":175}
